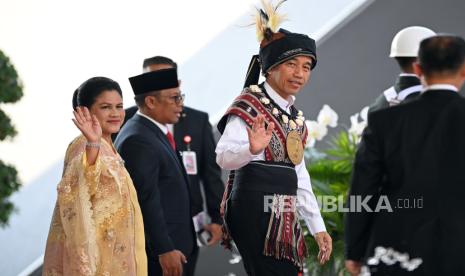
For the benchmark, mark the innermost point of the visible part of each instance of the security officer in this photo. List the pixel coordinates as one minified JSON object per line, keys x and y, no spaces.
{"x":404,"y":48}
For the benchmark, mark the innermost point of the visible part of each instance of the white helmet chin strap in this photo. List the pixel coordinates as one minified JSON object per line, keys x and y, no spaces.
{"x":395,"y":98}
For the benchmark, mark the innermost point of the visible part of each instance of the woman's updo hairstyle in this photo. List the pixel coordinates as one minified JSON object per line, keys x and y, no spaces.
{"x":86,"y":94}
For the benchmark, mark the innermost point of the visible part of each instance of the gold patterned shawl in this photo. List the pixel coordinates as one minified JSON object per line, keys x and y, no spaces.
{"x":97,"y":226}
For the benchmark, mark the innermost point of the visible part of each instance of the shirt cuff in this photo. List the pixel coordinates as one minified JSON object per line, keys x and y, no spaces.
{"x":236,"y":157}
{"x":244,"y":152}
{"x":315,"y":225}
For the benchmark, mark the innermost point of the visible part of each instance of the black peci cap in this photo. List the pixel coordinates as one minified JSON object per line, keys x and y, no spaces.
{"x":154,"y":81}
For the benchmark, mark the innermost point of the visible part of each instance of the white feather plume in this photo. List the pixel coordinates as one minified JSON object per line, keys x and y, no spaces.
{"x":268,"y":20}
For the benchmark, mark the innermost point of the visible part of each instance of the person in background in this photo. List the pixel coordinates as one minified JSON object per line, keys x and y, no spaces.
{"x":404,"y":49}
{"x":411,"y":161}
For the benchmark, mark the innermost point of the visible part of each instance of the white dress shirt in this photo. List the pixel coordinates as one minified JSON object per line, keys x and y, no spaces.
{"x":233,"y":153}
{"x":441,"y":86}
{"x":163,"y":128}
{"x":408,"y":75}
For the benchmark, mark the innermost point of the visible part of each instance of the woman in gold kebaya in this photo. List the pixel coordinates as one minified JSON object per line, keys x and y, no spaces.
{"x":97,"y":226}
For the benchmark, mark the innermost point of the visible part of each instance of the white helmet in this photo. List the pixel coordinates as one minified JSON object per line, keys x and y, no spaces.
{"x":407,"y":41}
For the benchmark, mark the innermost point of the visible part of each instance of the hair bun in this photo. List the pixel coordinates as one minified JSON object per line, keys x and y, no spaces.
{"x":75,"y":99}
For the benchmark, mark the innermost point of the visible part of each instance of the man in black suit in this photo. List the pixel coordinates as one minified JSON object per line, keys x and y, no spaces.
{"x":193,"y":136}
{"x":404,"y":49}
{"x":148,"y":149}
{"x":419,"y":147}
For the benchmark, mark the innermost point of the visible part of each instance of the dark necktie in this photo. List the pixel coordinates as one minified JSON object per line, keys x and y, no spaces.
{"x":171,"y":139}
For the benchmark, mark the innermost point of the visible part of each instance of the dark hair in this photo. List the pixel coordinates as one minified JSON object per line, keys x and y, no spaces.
{"x":140,"y":99}
{"x":89,"y":90}
{"x":441,"y":54}
{"x":406,"y":63}
{"x":156,"y":60}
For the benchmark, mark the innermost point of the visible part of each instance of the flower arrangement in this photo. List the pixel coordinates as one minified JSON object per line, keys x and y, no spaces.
{"x":330,"y":171}
{"x":327,"y":117}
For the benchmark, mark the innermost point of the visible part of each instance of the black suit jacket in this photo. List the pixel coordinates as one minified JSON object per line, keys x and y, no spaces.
{"x":402,"y":82}
{"x":161,"y":184}
{"x":130,"y":112}
{"x":196,"y":124}
{"x":419,"y":147}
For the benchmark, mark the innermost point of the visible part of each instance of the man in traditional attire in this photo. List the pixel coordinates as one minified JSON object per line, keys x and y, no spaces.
{"x":413,"y":156}
{"x":404,"y":49}
{"x":262,"y":142}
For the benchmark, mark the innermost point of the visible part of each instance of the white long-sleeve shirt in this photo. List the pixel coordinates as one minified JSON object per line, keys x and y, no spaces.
{"x":232,"y":153}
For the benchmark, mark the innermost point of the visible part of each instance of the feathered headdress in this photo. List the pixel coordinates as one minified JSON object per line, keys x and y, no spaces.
{"x":267,"y":20}
{"x":276,"y":45}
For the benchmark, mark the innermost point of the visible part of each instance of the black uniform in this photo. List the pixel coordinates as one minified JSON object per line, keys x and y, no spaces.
{"x":402,"y":83}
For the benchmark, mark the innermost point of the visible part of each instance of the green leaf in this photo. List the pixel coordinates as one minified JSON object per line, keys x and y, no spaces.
{"x":6,"y":128}
{"x":11,"y":88}
{"x":9,"y":183}
{"x":330,"y":176}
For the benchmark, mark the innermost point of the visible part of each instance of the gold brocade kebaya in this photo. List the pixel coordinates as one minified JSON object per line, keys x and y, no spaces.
{"x":97,"y":226}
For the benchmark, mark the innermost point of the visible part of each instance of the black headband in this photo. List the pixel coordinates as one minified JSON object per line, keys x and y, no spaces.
{"x":287,"y":46}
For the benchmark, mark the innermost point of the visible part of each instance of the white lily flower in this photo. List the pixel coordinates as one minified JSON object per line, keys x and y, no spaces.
{"x":357,"y":129}
{"x":299,"y":121}
{"x":364,"y":113}
{"x":327,"y":116}
{"x":316,"y":130}
{"x":255,"y":88}
{"x":354,"y":119}
{"x":285,"y":119}
{"x":300,"y":113}
{"x":310,"y":142}
{"x":275,"y":111}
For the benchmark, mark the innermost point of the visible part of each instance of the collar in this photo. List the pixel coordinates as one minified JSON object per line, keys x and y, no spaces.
{"x":283,"y":103}
{"x":162,"y":127}
{"x":441,"y":86}
{"x":408,"y":75}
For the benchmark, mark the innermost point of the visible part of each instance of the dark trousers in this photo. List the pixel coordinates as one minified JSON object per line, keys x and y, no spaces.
{"x":248,"y":224}
{"x":154,"y":268}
